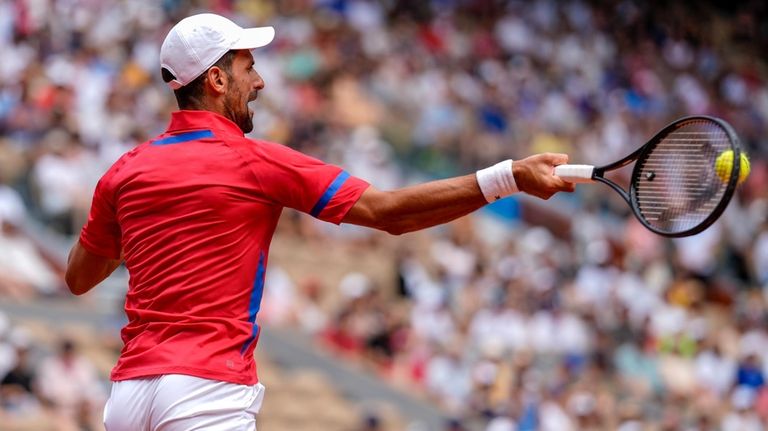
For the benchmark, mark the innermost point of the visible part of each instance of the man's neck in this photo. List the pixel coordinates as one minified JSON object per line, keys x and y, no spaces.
{"x":204,"y":105}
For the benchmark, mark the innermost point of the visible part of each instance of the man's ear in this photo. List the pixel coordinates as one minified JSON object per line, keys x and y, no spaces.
{"x":217,"y":80}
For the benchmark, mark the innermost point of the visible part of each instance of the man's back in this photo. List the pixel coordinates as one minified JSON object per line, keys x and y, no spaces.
{"x":193,"y":212}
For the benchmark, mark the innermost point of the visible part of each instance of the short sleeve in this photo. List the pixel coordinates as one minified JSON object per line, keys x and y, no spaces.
{"x":301,"y":182}
{"x":101,"y":234}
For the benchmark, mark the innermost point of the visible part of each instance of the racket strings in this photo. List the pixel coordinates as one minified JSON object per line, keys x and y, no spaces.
{"x":676,"y":186}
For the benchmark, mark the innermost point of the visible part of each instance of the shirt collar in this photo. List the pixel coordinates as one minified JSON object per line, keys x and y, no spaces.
{"x":194,"y":120}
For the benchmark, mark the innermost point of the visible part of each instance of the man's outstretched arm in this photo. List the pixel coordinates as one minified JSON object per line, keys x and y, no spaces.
{"x":433,"y":203}
{"x":85,"y":270}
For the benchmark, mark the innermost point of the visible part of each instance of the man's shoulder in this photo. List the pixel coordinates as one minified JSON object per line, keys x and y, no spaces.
{"x":127,"y":156}
{"x":266,"y":149}
{"x":245,"y":140}
{"x":111,"y":176}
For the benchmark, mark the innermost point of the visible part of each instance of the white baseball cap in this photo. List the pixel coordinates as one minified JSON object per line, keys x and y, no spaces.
{"x":197,"y":42}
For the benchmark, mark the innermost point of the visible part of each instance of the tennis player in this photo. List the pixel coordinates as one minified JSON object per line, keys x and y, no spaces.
{"x":192,"y":213}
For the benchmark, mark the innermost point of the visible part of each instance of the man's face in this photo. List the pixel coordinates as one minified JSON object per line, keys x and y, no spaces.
{"x":244,"y":86}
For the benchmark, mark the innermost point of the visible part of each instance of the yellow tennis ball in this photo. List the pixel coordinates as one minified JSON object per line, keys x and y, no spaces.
{"x":724,"y":162}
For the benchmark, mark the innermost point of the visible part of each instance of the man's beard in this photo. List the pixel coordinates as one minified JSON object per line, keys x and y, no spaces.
{"x":246,"y":122}
{"x":240,"y":115}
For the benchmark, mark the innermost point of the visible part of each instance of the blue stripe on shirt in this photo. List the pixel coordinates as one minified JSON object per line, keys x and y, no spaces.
{"x":184,"y":137}
{"x":255,"y":303}
{"x":330,"y":192}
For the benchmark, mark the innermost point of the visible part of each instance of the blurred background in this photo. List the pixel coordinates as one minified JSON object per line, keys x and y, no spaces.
{"x":528,"y":315}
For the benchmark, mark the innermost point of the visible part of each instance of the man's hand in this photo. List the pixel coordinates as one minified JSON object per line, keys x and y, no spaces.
{"x":535,"y":175}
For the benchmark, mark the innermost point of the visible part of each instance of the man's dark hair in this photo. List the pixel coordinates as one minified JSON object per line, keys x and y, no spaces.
{"x":190,"y":96}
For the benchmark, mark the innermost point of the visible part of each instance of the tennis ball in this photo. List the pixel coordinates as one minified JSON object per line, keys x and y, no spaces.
{"x":724,"y":162}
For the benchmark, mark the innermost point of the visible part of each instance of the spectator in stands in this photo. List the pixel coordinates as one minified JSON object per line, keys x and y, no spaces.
{"x":742,"y":418}
{"x":7,"y":353}
{"x":68,"y":383}
{"x":17,"y":391}
{"x":749,"y":372}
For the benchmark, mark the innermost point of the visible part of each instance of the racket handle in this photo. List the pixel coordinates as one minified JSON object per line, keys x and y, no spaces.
{"x":575,"y":173}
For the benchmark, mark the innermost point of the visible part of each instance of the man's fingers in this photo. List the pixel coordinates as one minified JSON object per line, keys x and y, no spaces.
{"x":562,"y":185}
{"x":558,"y":158}
{"x":568,"y":187}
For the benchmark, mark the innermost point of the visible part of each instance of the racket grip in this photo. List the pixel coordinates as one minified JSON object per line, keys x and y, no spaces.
{"x":575,"y":173}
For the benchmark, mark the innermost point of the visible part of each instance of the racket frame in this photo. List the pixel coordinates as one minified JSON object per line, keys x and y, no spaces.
{"x":631,"y":198}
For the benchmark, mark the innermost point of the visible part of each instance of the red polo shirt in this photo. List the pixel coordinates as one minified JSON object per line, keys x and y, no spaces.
{"x":193,"y":212}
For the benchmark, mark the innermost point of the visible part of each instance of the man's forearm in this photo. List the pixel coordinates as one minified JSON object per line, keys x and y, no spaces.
{"x":429,"y":204}
{"x":424,"y":205}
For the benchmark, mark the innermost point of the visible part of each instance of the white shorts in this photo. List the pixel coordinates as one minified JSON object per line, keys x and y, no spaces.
{"x":175,"y":402}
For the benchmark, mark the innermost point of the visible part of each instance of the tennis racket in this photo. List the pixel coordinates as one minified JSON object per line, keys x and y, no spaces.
{"x":675,"y":189}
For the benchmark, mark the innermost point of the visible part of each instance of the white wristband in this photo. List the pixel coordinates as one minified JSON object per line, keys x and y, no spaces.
{"x":497,"y":181}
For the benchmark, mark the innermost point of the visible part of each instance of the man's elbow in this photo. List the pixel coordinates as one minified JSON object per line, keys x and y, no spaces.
{"x":396,"y":229}
{"x":380,"y":210}
{"x":76,"y":284}
{"x":385,"y":221}
{"x":386,"y":218}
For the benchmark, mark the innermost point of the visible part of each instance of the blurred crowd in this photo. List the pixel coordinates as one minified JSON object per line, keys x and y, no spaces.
{"x":58,"y":389}
{"x":541,"y":333}
{"x":600,"y":325}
